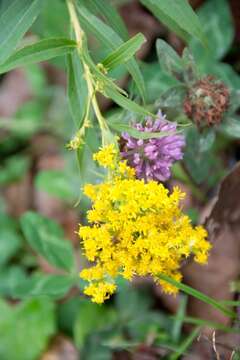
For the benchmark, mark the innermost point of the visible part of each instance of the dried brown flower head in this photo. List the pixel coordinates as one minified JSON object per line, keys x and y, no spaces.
{"x":206,"y":101}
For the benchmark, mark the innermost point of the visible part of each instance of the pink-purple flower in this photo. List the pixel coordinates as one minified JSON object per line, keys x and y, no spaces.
{"x":152,"y":158}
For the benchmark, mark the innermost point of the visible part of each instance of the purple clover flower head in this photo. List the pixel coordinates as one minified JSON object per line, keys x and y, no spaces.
{"x":153,"y":158}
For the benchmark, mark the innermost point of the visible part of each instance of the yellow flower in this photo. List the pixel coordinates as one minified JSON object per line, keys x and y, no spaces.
{"x":107,"y":156}
{"x":135,"y":228}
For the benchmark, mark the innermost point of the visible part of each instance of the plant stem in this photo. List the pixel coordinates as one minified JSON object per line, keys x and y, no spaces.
{"x":79,"y":33}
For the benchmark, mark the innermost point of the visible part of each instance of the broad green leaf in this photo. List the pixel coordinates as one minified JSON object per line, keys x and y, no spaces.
{"x":202,"y":165}
{"x":54,"y":20}
{"x":10,"y":243}
{"x":40,"y":51}
{"x":108,"y":37}
{"x":26,"y":329}
{"x":168,"y":59}
{"x":110,"y":15}
{"x":14,"y":22}
{"x":218,"y":29}
{"x":125,"y":102}
{"x":91,"y":318}
{"x":124,"y":52}
{"x":178,"y":16}
{"x":53,"y":286}
{"x":223,"y":71}
{"x":10,"y":277}
{"x":77,"y":88}
{"x":131,"y":303}
{"x":157,"y":81}
{"x":172,"y":98}
{"x":13,"y":169}
{"x":56,"y":183}
{"x":190,"y":72}
{"x":47,"y":239}
{"x":231,"y":127}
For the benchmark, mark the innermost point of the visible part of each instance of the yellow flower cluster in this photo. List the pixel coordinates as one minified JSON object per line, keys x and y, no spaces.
{"x":136,"y":228}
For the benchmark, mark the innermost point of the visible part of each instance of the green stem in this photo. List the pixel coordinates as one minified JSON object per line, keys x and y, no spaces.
{"x":198,"y":295}
{"x":79,"y":33}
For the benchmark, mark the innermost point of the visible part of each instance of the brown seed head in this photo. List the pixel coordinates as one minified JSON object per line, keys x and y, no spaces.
{"x":206,"y":101}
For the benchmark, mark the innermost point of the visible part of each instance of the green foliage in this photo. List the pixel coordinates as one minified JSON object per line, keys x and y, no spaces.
{"x":14,"y":22}
{"x":91,"y":318}
{"x":218,"y":29}
{"x":25,"y":329}
{"x":201,"y":162}
{"x":108,"y":37}
{"x":40,"y":51}
{"x":14,"y":169}
{"x":124,"y":52}
{"x":110,"y":15}
{"x":51,"y":286}
{"x":47,"y":239}
{"x":56,"y":183}
{"x":174,"y":14}
{"x":77,"y":89}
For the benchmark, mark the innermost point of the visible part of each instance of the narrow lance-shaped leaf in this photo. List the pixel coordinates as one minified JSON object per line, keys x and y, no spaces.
{"x":121,"y":127}
{"x":110,"y":15}
{"x":14,"y":22}
{"x":124,"y":52}
{"x":198,"y":295}
{"x":77,"y":88}
{"x":108,"y":37}
{"x":125,"y":102}
{"x":178,"y":16}
{"x":40,"y":51}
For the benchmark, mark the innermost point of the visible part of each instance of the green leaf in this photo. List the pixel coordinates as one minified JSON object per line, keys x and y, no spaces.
{"x":54,"y":20}
{"x":77,"y":90}
{"x":198,"y":295}
{"x":201,"y":162}
{"x":25,"y":329}
{"x":14,"y":22}
{"x":223,"y":71}
{"x":178,"y":16}
{"x":185,"y":344}
{"x":172,"y":98}
{"x":124,"y":52}
{"x":190,"y":72}
{"x":40,"y":51}
{"x":91,"y":318}
{"x":157,"y":81}
{"x":125,"y":102}
{"x":10,"y":243}
{"x":108,"y":37}
{"x":169,"y":60}
{"x":56,"y":183}
{"x":218,"y":29}
{"x":122,"y":127}
{"x":53,"y":286}
{"x":10,"y":277}
{"x":178,"y":323}
{"x":47,"y":239}
{"x":110,"y":15}
{"x":231,"y":127}
{"x":131,"y":302}
{"x":14,"y":169}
